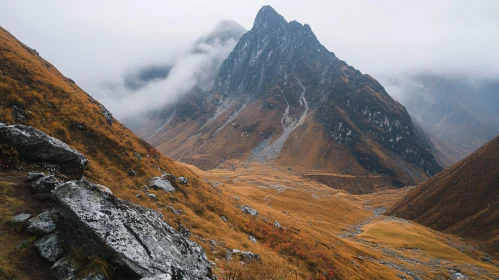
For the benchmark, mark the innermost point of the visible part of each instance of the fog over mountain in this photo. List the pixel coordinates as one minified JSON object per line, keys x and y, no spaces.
{"x":147,"y":87}
{"x":97,"y":44}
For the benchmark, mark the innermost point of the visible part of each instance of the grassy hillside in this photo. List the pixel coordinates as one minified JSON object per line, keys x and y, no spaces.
{"x":463,"y":199}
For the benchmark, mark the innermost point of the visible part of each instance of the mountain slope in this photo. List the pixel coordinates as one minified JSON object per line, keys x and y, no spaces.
{"x":463,"y":199}
{"x":279,"y":94}
{"x":459,"y":115}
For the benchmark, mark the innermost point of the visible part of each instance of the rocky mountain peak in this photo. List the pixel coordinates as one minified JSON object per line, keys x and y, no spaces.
{"x":267,"y":17}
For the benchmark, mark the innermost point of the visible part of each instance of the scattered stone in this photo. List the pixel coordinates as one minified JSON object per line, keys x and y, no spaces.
{"x":248,"y":210}
{"x":32,"y":176}
{"x":213,"y":242}
{"x":107,"y":114}
{"x":486,"y":258}
{"x":223,"y":219}
{"x":50,"y":247}
{"x":64,"y":269}
{"x":152,"y":196}
{"x":252,"y":238}
{"x":135,"y":236}
{"x":175,"y":211}
{"x":246,"y":256}
{"x":34,"y":145}
{"x":160,"y":183}
{"x":145,"y":188}
{"x":138,"y":195}
{"x":45,"y":185}
{"x":276,"y":224}
{"x":131,"y":173}
{"x":183,"y":180}
{"x":41,"y":224}
{"x":20,"y":218}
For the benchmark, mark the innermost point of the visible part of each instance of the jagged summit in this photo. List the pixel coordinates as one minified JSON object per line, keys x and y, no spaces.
{"x":280,"y":92}
{"x":268,"y":17}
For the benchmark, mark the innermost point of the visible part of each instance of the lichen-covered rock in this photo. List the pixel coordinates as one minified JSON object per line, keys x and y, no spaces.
{"x":248,"y":210}
{"x":160,"y":183}
{"x":41,"y":224}
{"x":32,"y":176}
{"x":64,"y":269}
{"x":223,"y":218}
{"x":20,"y":218}
{"x":45,"y":185}
{"x":276,"y":224}
{"x":50,"y":247}
{"x":34,"y":145}
{"x":135,"y":236}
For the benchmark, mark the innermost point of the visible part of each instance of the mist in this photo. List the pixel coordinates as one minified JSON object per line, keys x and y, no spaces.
{"x":133,"y":56}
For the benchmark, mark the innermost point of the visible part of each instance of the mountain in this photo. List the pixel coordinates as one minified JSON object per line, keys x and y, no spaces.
{"x":459,"y":115}
{"x":280,"y":94}
{"x":462,"y":200}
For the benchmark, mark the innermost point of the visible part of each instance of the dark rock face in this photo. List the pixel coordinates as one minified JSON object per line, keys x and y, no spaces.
{"x":135,"y":236}
{"x":37,"y":146}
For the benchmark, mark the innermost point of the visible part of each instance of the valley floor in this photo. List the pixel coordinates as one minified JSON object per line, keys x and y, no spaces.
{"x":351,"y":228}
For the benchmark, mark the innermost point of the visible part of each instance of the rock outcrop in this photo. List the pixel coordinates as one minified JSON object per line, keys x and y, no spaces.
{"x":135,"y":236}
{"x":34,"y":145}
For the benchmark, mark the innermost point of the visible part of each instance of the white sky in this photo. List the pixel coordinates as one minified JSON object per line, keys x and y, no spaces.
{"x":95,"y":42}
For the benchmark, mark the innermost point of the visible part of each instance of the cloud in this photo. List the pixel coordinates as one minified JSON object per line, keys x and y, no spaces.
{"x":152,"y":86}
{"x":98,"y":43}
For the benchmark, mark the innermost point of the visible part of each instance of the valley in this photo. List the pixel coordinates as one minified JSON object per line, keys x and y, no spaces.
{"x":351,"y":228}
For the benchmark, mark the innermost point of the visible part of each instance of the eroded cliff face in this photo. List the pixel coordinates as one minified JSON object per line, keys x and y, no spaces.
{"x":282,"y":97}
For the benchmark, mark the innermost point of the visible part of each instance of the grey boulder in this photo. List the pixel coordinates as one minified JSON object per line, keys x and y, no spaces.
{"x":246,"y":256}
{"x":41,"y":224}
{"x":248,"y":210}
{"x":50,"y":247}
{"x":20,"y":218}
{"x":34,"y":145}
{"x":135,"y":236}
{"x":160,"y":183}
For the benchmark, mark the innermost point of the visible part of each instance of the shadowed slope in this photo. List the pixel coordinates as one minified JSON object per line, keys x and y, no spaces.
{"x":463,"y":199}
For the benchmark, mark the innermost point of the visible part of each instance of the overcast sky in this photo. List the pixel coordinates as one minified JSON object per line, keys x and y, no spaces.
{"x":96,"y":42}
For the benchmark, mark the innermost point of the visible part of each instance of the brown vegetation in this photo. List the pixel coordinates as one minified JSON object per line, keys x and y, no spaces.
{"x":462,"y":200}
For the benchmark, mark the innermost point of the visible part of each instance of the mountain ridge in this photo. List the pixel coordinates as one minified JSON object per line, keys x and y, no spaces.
{"x":278,"y":82}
